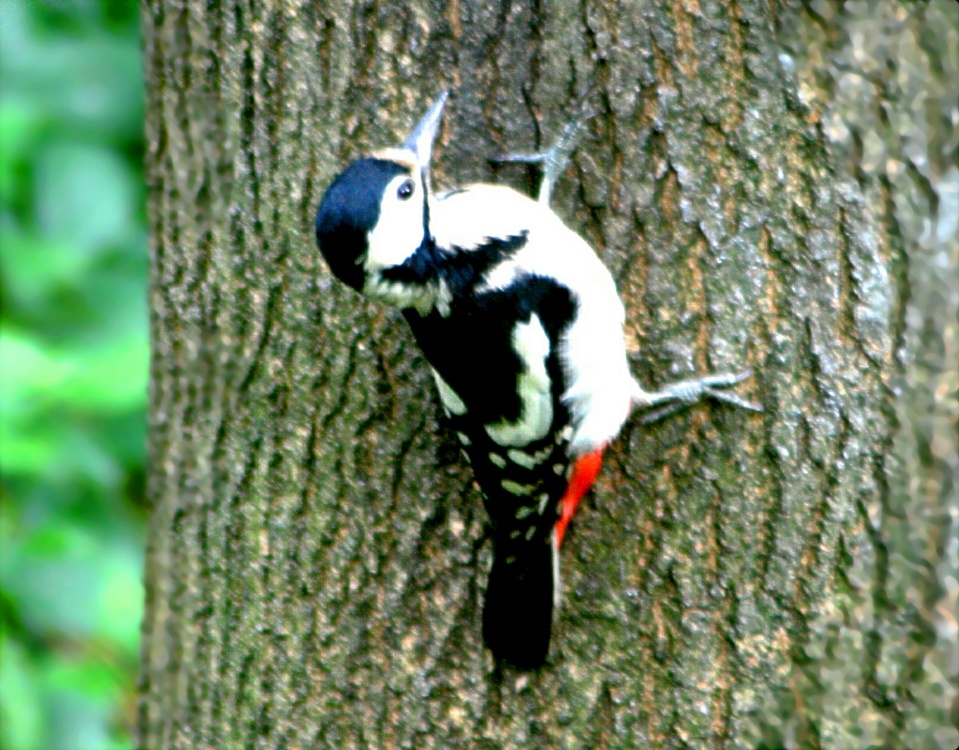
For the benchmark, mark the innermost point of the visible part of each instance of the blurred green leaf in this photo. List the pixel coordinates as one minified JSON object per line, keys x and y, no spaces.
{"x":94,"y":680}
{"x":85,"y":195}
{"x":119,"y":605}
{"x":89,"y":84}
{"x":34,"y":267}
{"x":18,"y":129}
{"x":60,"y":560}
{"x":21,"y":713}
{"x":110,"y":379}
{"x":29,"y":370}
{"x":92,"y":583}
{"x":74,"y":356}
{"x":82,"y":694}
{"x":40,"y":381}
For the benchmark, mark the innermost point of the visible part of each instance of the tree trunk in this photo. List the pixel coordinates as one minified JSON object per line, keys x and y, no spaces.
{"x":317,"y":554}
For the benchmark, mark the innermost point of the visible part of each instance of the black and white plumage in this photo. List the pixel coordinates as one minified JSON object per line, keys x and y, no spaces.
{"x":522,"y":325}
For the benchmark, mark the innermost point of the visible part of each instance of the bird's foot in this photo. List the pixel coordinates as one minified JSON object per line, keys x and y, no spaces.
{"x":555,"y":159}
{"x":685,"y":393}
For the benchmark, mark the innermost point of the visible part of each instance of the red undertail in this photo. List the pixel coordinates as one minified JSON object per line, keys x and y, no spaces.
{"x":584,"y":474}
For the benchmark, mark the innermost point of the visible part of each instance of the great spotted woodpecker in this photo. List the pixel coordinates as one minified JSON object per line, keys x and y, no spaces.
{"x":523,"y":328}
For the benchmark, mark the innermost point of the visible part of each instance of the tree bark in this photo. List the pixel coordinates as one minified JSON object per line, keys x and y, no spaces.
{"x":317,"y":555}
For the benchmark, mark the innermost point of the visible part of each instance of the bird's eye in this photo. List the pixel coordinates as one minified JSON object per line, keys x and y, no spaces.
{"x":404,"y":191}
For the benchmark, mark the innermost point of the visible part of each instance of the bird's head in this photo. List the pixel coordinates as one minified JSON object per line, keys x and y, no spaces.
{"x":375,"y":214}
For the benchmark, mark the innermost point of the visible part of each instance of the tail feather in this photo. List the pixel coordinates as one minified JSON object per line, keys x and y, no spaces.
{"x":518,"y":613}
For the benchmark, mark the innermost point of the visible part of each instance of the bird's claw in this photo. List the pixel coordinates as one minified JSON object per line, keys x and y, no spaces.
{"x":556,"y":158}
{"x":688,"y":392}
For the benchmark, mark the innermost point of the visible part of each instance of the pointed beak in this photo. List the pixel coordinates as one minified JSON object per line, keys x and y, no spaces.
{"x":420,"y":141}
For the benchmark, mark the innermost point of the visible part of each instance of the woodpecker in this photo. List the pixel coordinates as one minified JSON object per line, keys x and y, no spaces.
{"x":523,"y":328}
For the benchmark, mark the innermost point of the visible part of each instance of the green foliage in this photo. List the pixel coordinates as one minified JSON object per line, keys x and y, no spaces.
{"x":73,"y":383}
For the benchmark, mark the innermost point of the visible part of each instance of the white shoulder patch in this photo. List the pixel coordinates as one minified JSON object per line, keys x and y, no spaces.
{"x":531,"y":343}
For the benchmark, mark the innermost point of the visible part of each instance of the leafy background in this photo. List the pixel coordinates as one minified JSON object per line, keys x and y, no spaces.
{"x":74,"y":360}
{"x":74,"y":355}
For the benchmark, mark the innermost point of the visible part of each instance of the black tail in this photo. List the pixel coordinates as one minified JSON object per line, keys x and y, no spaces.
{"x":518,"y":612}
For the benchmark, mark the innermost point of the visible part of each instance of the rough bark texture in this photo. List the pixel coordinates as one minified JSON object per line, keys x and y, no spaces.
{"x":881,"y":77}
{"x":317,"y":555}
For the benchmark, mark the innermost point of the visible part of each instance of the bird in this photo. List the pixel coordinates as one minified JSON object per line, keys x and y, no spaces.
{"x":522,"y":326}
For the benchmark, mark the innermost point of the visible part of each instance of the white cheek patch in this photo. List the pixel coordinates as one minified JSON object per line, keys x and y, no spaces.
{"x":399,"y":230}
{"x":531,"y":343}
